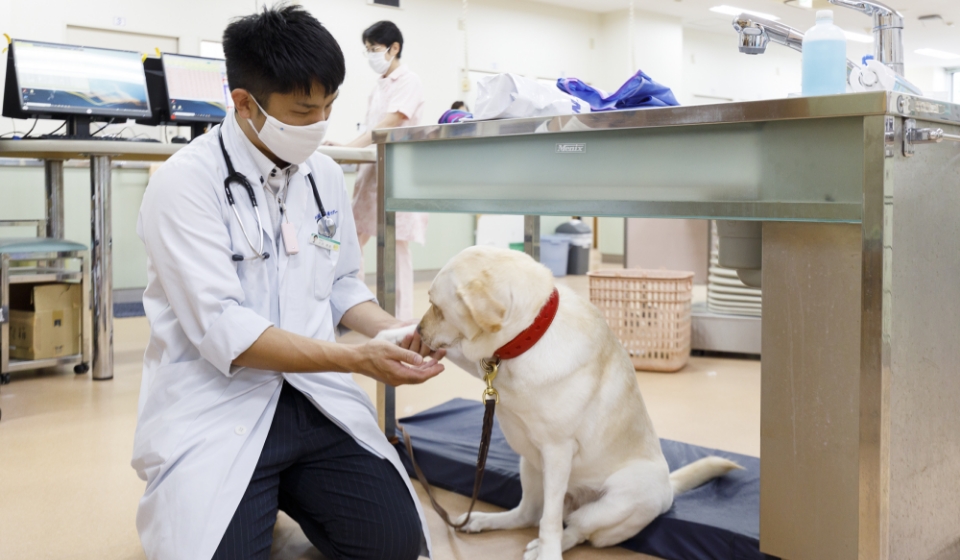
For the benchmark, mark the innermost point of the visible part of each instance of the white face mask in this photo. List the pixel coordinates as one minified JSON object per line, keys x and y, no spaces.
{"x":292,"y":144}
{"x":378,"y":61}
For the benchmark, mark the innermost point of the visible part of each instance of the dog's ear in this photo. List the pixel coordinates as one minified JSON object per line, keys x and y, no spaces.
{"x":484,"y":309}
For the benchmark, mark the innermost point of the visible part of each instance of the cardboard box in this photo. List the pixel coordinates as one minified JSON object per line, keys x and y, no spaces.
{"x":45,"y":320}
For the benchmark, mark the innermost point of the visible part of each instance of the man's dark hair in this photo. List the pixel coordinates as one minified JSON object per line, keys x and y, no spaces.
{"x":384,"y":33}
{"x":458,"y":105}
{"x":281,"y":50}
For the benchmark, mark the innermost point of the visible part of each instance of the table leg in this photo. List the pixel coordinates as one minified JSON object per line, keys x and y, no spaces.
{"x":386,"y":291}
{"x":810,"y":377}
{"x":86,"y":321}
{"x":53,"y":183}
{"x":4,"y":312}
{"x":101,"y":267}
{"x":531,"y":236}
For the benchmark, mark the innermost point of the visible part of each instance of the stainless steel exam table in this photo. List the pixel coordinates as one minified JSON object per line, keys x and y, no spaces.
{"x":859,"y":196}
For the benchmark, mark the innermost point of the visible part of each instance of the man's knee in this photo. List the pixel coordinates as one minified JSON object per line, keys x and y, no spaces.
{"x":403,"y":537}
{"x":394,"y":534}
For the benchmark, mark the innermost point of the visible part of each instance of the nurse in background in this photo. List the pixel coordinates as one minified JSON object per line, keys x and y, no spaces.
{"x":396,"y":101}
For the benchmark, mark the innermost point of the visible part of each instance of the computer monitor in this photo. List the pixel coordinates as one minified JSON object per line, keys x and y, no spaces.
{"x":197,"y":89}
{"x":79,"y":84}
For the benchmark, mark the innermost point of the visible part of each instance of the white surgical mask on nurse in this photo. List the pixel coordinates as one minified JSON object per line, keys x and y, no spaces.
{"x":378,"y":61}
{"x":292,"y":144}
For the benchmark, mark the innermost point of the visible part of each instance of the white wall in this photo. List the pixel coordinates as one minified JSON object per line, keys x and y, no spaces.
{"x":658,"y":49}
{"x":933,"y":80}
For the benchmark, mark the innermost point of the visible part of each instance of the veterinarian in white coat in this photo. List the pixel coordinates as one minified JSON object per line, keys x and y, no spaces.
{"x":232,"y":338}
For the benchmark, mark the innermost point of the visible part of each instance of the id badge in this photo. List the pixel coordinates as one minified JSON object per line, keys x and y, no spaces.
{"x":325,"y":243}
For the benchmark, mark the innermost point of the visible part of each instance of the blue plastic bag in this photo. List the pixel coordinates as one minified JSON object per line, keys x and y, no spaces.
{"x":639,"y":91}
{"x":455,"y":116}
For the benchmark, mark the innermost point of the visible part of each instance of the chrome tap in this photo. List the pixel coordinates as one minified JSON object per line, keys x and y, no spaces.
{"x":887,"y":30}
{"x":756,"y":32}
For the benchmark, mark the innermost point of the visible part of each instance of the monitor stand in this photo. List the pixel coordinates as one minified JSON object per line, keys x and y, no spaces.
{"x":196,"y":129}
{"x":78,"y":127}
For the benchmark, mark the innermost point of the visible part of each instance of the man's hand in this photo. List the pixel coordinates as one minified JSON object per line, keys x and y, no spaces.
{"x":394,"y":365}
{"x":405,"y":335}
{"x":414,"y":343}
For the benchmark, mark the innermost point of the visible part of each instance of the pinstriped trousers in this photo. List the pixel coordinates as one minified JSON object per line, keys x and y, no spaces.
{"x":350,"y":503}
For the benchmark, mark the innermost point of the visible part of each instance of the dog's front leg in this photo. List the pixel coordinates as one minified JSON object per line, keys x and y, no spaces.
{"x":556,"y":476}
{"x":526,"y":514}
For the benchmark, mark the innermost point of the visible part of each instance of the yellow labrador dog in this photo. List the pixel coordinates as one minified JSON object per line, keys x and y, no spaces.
{"x":570,"y":405}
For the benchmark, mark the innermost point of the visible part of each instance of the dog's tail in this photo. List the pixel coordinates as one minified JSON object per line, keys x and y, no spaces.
{"x":699,"y":472}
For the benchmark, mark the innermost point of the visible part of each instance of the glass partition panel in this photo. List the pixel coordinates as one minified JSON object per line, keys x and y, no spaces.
{"x":801,"y":169}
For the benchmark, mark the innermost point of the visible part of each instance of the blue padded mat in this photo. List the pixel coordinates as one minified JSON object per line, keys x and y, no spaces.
{"x":128,"y":309}
{"x":717,"y":521}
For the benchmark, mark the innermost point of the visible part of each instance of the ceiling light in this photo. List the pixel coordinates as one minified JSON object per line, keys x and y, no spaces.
{"x":934,"y":53}
{"x":858,"y":37}
{"x":734,"y":11}
{"x":934,"y":19}
{"x":805,"y":4}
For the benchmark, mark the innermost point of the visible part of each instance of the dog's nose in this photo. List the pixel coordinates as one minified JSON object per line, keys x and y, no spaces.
{"x":418,"y":328}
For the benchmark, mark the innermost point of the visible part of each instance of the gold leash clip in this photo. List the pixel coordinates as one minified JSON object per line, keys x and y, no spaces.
{"x":489,"y":368}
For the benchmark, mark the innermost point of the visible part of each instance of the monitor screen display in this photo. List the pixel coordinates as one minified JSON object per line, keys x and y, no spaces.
{"x":197,"y":88}
{"x":67,"y":79}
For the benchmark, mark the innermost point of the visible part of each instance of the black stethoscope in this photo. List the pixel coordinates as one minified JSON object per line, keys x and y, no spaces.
{"x":326,"y":225}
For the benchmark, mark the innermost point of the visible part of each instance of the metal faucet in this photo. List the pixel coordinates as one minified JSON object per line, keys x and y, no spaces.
{"x":756,"y":32}
{"x":887,"y":30}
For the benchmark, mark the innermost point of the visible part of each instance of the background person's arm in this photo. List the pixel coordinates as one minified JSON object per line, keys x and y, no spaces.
{"x":391,"y":120}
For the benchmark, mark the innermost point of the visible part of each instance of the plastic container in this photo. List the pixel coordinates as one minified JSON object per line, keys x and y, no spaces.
{"x":824,"y":57}
{"x":517,"y":246}
{"x":581,"y":240}
{"x":649,"y":311}
{"x":555,"y":253}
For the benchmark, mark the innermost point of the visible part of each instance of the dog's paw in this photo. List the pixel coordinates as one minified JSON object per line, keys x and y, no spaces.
{"x":479,"y":521}
{"x":537,"y":552}
{"x":396,"y":336}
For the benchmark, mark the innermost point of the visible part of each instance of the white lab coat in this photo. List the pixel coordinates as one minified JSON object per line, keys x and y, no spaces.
{"x":202,"y":422}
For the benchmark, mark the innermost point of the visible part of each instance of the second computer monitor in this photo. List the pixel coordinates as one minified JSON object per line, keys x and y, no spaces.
{"x":197,"y":88}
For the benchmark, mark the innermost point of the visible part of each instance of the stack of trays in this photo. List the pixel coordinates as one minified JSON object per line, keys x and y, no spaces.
{"x":725,"y":292}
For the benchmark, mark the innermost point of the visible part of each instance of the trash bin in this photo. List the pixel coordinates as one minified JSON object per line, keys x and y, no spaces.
{"x":581,"y":240}
{"x":555,"y":253}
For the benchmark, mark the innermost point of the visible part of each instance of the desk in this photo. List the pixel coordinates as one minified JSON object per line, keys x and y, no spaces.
{"x":101,"y":154}
{"x":859,"y":410}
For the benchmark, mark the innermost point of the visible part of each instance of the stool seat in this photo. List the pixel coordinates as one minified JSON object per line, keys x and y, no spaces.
{"x":28,"y":245}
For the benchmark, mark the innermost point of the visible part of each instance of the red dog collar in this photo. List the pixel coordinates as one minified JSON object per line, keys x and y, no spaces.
{"x":532,"y":334}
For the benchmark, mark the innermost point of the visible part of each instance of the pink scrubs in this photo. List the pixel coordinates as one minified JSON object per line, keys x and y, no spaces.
{"x":399,"y":92}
